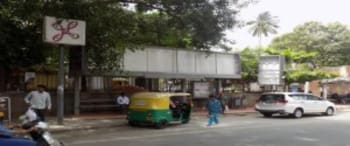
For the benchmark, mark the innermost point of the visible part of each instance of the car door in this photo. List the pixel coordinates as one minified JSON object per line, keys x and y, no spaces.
{"x":314,"y":103}
{"x":305,"y":103}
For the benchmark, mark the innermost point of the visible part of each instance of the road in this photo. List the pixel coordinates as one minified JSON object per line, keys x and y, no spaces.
{"x":251,"y":130}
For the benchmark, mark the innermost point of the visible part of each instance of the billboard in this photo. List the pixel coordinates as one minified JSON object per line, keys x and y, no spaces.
{"x":64,"y":31}
{"x":179,"y":63}
{"x":271,"y":70}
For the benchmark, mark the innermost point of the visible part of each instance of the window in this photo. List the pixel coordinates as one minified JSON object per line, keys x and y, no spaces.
{"x":272,"y":97}
{"x":311,"y":97}
{"x":298,"y":96}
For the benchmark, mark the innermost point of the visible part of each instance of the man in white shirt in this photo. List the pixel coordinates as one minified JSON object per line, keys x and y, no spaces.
{"x":39,"y":101}
{"x":123,"y":101}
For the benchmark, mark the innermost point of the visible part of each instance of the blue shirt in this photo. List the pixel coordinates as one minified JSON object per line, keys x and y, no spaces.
{"x":214,"y":106}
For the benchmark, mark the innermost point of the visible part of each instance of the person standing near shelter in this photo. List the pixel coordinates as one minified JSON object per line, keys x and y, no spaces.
{"x":214,"y":109}
{"x":222,"y":100}
{"x":123,"y":101}
{"x":39,"y":101}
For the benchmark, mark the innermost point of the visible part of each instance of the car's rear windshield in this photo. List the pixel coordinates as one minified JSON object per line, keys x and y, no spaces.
{"x":272,"y":97}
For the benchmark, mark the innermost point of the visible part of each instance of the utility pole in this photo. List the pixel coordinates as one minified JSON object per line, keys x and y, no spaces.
{"x":60,"y":88}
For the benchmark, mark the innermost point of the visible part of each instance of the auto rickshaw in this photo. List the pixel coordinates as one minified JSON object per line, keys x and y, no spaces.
{"x":159,"y":109}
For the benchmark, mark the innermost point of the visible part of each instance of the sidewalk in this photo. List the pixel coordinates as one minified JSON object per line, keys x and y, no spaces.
{"x":106,"y":120}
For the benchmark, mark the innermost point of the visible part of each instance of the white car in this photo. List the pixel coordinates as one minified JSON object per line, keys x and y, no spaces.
{"x":295,"y":104}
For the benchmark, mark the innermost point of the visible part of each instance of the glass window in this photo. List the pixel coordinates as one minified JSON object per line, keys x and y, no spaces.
{"x":311,"y":97}
{"x":272,"y":97}
{"x":298,"y":96}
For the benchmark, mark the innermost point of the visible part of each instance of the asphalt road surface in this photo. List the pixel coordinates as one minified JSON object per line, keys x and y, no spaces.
{"x":250,"y":130}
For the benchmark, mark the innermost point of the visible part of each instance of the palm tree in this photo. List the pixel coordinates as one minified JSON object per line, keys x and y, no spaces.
{"x":264,"y":24}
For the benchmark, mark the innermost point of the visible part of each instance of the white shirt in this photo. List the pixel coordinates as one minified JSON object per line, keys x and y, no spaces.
{"x":123,"y":100}
{"x":38,"y":100}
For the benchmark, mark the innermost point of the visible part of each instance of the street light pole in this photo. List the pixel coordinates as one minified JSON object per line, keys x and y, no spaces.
{"x":60,"y":88}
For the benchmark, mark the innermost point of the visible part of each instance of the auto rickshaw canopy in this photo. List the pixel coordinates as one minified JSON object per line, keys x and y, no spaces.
{"x":153,"y":100}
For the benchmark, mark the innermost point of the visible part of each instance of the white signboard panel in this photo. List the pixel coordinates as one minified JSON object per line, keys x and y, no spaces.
{"x":205,"y":63}
{"x":225,"y":64}
{"x":270,"y":70}
{"x":201,"y":89}
{"x":186,"y":61}
{"x":64,"y":31}
{"x":161,"y":60}
{"x":135,"y":61}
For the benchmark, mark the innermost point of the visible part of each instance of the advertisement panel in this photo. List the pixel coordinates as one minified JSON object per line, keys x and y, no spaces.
{"x":270,"y":70}
{"x":64,"y":31}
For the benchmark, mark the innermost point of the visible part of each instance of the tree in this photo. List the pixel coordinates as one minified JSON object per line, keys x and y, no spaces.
{"x":249,"y":64}
{"x":264,"y":24}
{"x":298,"y":67}
{"x":331,"y":42}
{"x":116,"y":25}
{"x":292,"y":57}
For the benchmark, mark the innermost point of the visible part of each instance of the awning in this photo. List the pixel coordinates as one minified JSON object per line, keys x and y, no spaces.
{"x":336,"y":80}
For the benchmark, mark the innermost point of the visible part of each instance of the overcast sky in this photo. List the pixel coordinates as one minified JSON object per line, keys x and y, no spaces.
{"x":290,"y":13}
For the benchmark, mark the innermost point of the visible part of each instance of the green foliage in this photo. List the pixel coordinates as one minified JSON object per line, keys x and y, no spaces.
{"x":301,"y":76}
{"x":331,"y":42}
{"x":264,"y":24}
{"x":292,"y":56}
{"x":249,"y":63}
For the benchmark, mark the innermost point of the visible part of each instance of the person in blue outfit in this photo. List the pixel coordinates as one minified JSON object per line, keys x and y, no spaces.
{"x":214,"y":109}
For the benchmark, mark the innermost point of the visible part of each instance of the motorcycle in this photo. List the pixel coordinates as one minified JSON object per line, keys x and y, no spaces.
{"x":39,"y":130}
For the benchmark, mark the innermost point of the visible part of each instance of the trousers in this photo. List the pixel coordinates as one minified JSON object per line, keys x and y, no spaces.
{"x":213,"y":118}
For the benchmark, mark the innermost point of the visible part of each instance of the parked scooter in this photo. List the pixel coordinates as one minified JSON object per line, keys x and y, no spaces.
{"x":39,"y":132}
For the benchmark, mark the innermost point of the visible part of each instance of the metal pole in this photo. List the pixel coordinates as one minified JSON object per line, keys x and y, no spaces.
{"x":60,"y":88}
{"x":77,"y":83}
{"x":9,"y":108}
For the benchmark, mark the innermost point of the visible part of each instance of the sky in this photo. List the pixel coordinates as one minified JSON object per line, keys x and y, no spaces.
{"x":290,"y":13}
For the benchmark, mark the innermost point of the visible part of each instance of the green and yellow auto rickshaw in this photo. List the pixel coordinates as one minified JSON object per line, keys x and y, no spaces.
{"x":159,"y":109}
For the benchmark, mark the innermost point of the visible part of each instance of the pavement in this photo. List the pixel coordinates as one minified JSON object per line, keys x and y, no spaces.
{"x":110,"y":120}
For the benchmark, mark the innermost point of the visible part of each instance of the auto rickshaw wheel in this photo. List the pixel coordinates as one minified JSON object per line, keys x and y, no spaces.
{"x":131,"y":123}
{"x":162,"y":124}
{"x":185,"y":121}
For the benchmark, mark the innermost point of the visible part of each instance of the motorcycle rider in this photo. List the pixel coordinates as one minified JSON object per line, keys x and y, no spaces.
{"x":12,"y":130}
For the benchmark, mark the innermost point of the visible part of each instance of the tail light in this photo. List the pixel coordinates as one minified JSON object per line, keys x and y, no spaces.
{"x":283,"y":101}
{"x":258,"y":100}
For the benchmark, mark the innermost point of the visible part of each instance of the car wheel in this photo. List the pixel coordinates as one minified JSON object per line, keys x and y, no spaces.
{"x":267,"y":115}
{"x":329,"y":111}
{"x":298,"y":113}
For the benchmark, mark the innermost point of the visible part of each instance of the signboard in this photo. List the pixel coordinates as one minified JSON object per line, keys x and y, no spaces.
{"x":177,"y":63}
{"x":64,"y":31}
{"x":201,"y":89}
{"x":270,"y":70}
{"x":29,"y":76}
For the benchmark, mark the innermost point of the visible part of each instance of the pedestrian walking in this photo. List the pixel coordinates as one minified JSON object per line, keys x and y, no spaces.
{"x":214,"y":109}
{"x":123,"y":102}
{"x":39,"y":101}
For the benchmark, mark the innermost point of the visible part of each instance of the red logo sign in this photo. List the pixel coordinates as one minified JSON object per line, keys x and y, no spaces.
{"x":64,"y":30}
